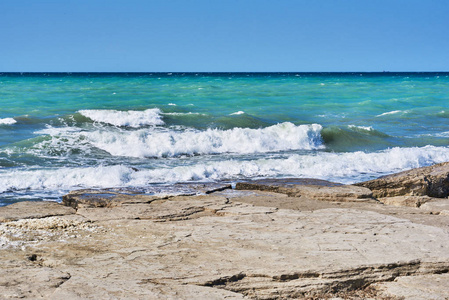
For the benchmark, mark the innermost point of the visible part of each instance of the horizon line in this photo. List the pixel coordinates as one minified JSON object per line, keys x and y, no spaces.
{"x":213,"y":72}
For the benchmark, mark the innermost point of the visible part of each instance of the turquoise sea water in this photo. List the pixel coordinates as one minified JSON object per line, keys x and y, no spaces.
{"x":60,"y":132}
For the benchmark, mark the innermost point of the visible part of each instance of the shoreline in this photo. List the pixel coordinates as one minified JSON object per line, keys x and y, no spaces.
{"x":265,"y":239}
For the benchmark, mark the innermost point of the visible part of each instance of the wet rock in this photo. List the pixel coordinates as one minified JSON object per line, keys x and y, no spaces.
{"x":89,"y":198}
{"x":309,"y":188}
{"x":104,"y":198}
{"x":201,"y":188}
{"x":430,"y":181}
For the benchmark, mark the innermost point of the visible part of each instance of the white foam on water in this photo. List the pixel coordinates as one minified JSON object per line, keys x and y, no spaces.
{"x":338,"y":167}
{"x":183,"y":114}
{"x":238,"y":113}
{"x":7,"y":121}
{"x":367,"y":128}
{"x":440,"y":134}
{"x":171,"y":143}
{"x":177,"y":141}
{"x":64,"y":178}
{"x":390,"y":113}
{"x":129,"y":118}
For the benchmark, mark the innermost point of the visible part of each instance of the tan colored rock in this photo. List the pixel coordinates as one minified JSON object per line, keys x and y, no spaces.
{"x":26,"y":281}
{"x":430,"y":181}
{"x":91,"y":198}
{"x":215,"y":247}
{"x":32,"y":209}
{"x":103,"y":198}
{"x":425,"y":287}
{"x":309,"y":188}
{"x":171,"y":209}
{"x":410,"y":201}
{"x":437,"y":207}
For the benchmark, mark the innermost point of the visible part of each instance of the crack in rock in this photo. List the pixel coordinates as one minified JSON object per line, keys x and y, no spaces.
{"x":299,"y":284}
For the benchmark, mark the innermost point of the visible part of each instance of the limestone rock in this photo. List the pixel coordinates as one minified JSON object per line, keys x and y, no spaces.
{"x":30,"y":282}
{"x":410,"y":201}
{"x":103,"y":198}
{"x":430,"y":181}
{"x":430,"y":286}
{"x":232,"y":244}
{"x":89,"y":198}
{"x":171,"y":209}
{"x":33,"y":209}
{"x":309,"y":188}
{"x":437,"y":207}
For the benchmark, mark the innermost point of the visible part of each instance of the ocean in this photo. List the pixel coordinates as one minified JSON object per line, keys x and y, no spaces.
{"x":148,"y":131}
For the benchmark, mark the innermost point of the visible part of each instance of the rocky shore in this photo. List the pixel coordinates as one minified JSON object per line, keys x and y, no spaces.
{"x":267,"y":239}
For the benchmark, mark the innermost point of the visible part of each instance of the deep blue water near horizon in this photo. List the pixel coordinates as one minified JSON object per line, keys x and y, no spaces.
{"x":147,"y":131}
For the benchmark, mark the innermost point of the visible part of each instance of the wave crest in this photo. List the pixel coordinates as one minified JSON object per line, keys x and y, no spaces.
{"x":338,"y":167}
{"x":7,"y":121}
{"x":169,"y":143}
{"x":129,"y":118}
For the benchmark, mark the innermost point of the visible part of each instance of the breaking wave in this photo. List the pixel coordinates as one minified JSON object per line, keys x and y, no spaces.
{"x":129,"y":118}
{"x":7,"y":121}
{"x":339,"y":167}
{"x":164,"y":142}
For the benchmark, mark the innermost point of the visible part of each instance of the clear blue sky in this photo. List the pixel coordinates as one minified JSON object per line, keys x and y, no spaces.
{"x":224,"y":35}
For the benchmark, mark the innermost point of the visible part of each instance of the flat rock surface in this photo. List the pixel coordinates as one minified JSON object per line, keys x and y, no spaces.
{"x":120,"y":196}
{"x":411,"y":201}
{"x":226,"y":245}
{"x":29,"y":210}
{"x":440,"y":206}
{"x":309,"y":188}
{"x":431,"y":286}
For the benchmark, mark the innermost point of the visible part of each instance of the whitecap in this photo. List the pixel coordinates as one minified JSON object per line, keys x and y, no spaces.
{"x":389,"y":113}
{"x":367,"y":128}
{"x":7,"y":121}
{"x":129,"y":118}
{"x":170,"y":143}
{"x":183,"y":114}
{"x":338,"y":167}
{"x":238,"y":113}
{"x":64,"y":178}
{"x":178,"y":141}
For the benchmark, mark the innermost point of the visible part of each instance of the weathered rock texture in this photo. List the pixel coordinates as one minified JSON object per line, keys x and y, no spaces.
{"x":279,"y":243}
{"x":309,"y":188}
{"x":430,"y":181}
{"x":428,"y":287}
{"x":29,"y":210}
{"x":213,"y":247}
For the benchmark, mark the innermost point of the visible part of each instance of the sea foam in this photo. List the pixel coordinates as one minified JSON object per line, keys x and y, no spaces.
{"x":7,"y":121}
{"x":366,"y":128}
{"x":237,"y":113}
{"x":390,"y":113}
{"x":129,"y":118}
{"x":338,"y":167}
{"x":172,"y":143}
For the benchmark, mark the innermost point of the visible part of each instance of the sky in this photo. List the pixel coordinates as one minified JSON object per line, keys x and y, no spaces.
{"x":223,"y":35}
